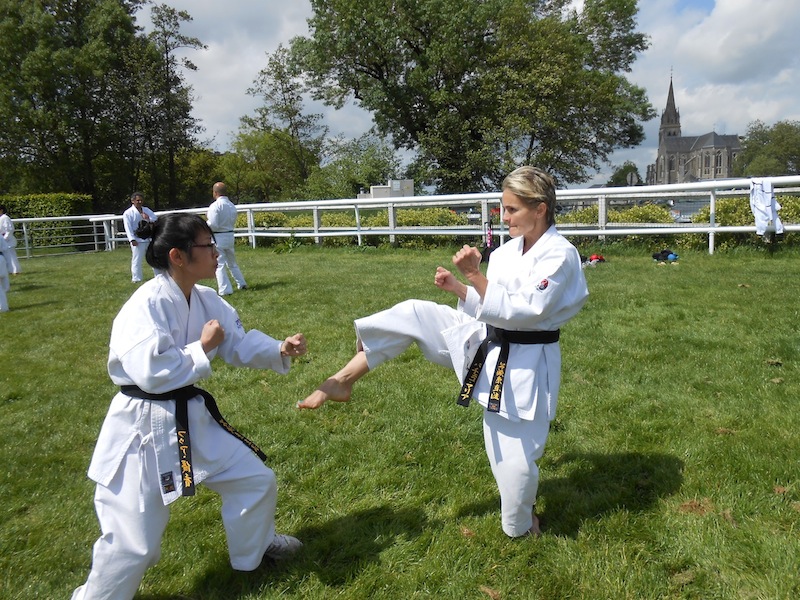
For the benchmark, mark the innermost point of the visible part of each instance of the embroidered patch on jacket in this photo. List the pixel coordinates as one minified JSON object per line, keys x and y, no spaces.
{"x":542,"y":285}
{"x":167,"y":482}
{"x":239,"y":324}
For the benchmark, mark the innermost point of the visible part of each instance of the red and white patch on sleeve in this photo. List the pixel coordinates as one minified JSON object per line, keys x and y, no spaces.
{"x":542,"y":285}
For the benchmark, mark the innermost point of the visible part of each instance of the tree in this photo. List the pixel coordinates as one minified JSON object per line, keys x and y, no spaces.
{"x":88,"y":102}
{"x":262,"y":167}
{"x":770,"y":151}
{"x":478,"y":87}
{"x":280,"y":85}
{"x":58,"y":101}
{"x":352,"y":166}
{"x":197,"y":169}
{"x":625,"y":175}
{"x":171,"y":95}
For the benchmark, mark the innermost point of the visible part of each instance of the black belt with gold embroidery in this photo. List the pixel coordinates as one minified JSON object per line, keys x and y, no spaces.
{"x":182,"y":397}
{"x":503,"y":337}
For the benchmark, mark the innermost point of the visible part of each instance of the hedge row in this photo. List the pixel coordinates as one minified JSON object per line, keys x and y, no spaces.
{"x":734,"y":211}
{"x":427,"y":217}
{"x":50,"y":233}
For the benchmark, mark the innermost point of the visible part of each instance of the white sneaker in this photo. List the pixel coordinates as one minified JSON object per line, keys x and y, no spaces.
{"x":283,"y":546}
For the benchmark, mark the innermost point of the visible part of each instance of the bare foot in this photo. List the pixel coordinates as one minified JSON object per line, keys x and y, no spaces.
{"x":331,"y":389}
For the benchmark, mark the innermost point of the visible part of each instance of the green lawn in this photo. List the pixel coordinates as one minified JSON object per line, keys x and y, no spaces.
{"x":671,"y":470}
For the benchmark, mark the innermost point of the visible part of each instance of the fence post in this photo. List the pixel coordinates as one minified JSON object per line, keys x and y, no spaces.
{"x":317,"y":225}
{"x":96,"y":237}
{"x":602,"y":215}
{"x":392,"y":223}
{"x":251,"y":227}
{"x":712,"y":219}
{"x":484,"y":220}
{"x":26,"y":240}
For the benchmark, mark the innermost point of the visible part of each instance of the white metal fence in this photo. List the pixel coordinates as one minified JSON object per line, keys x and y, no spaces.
{"x":105,"y":232}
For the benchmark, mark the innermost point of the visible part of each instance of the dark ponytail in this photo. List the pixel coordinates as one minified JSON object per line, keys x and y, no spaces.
{"x":174,"y":230}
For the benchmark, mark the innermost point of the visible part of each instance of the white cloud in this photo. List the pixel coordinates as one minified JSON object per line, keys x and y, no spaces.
{"x":732,"y":62}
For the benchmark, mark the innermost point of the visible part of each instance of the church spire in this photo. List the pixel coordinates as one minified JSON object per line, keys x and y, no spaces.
{"x":670,"y":118}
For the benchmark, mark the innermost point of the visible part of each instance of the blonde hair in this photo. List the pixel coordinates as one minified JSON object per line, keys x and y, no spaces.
{"x":533,"y":186}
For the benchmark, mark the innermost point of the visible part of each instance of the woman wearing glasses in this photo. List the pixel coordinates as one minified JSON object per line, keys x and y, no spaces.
{"x":163,"y":436}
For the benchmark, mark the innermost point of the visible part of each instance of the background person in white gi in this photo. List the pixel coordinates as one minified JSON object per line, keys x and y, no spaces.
{"x":222,"y":220}
{"x":130,"y":220}
{"x":4,"y":283}
{"x":162,"y":340}
{"x":534,"y":285}
{"x":7,"y":232}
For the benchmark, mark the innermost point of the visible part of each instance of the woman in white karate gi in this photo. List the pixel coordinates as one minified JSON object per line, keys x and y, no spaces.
{"x":162,"y":342}
{"x":533,"y":286}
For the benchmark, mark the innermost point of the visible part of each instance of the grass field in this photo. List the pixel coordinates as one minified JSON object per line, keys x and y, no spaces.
{"x":671,"y":470}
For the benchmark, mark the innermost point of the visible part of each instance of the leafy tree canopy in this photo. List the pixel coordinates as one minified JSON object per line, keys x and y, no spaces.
{"x":281,"y":86}
{"x":352,"y":166}
{"x":770,"y":151}
{"x":89,"y":104}
{"x":625,"y":175}
{"x":477,"y":87}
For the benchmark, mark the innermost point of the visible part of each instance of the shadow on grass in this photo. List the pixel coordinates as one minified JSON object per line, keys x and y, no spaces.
{"x":599,"y":484}
{"x":20,"y":307}
{"x":603,"y":483}
{"x":264,"y":286}
{"x":336,"y":551}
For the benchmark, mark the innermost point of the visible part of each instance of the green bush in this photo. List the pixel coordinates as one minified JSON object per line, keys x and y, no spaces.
{"x":735,"y":211}
{"x":582,"y":216}
{"x":430,"y":217}
{"x":647,"y":213}
{"x":47,"y":205}
{"x":49,"y":233}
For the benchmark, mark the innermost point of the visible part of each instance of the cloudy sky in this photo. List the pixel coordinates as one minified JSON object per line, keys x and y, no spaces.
{"x":731,"y":62}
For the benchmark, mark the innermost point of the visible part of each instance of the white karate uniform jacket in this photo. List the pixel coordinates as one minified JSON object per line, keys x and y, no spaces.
{"x":7,"y":231}
{"x":537,"y":291}
{"x":155,"y":344}
{"x":131,"y":219}
{"x":764,"y":206}
{"x":222,"y":220}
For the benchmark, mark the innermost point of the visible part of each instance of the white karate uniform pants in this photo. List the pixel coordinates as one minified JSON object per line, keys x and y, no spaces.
{"x":12,"y":259}
{"x":5,"y":285}
{"x":513,"y":447}
{"x":227,"y":260}
{"x":133,"y":517}
{"x":137,"y":258}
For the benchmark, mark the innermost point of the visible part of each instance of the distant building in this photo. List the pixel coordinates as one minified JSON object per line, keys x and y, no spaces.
{"x":396,"y":188}
{"x":690,"y":158}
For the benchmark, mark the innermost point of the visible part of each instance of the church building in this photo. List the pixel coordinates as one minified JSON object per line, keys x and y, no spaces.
{"x":690,"y":158}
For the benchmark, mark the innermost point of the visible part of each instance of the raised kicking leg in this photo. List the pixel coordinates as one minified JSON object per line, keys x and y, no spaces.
{"x":339,"y":386}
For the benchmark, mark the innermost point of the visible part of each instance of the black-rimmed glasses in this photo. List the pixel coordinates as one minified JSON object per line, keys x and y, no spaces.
{"x":212,"y":245}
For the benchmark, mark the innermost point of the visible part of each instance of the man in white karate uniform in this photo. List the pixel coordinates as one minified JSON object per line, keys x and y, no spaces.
{"x":222,"y":220}
{"x":130,"y":220}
